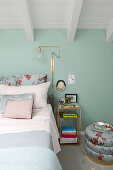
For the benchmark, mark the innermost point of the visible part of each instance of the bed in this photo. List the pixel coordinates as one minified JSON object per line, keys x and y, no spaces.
{"x":29,"y":144}
{"x":34,"y":139}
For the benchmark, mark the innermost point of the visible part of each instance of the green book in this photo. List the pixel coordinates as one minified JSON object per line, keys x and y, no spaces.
{"x":70,"y":116}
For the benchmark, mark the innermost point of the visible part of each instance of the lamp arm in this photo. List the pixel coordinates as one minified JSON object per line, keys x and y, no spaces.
{"x":55,"y":55}
{"x":52,"y":60}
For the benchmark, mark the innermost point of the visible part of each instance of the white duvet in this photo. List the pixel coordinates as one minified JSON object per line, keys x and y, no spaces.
{"x":42,"y":120}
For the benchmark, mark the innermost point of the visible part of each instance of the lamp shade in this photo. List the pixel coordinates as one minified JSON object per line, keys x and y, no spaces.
{"x":39,"y":55}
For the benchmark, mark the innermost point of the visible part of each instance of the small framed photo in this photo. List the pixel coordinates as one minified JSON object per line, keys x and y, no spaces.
{"x":74,"y":96}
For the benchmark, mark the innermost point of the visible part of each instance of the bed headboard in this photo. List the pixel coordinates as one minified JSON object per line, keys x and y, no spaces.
{"x":51,"y":101}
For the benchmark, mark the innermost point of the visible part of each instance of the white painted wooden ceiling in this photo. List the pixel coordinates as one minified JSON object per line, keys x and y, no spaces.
{"x":57,"y":14}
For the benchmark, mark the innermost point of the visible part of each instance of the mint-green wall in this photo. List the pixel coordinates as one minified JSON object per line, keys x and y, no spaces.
{"x":90,"y":58}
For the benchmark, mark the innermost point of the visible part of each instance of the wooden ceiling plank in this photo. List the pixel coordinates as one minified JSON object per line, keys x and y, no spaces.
{"x":74,"y":19}
{"x":109,"y":32}
{"x":28,"y":26}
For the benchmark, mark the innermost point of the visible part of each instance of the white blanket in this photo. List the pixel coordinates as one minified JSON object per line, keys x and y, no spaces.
{"x":42,"y":120}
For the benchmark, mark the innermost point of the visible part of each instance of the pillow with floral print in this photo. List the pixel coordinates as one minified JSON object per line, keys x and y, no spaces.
{"x":30,"y":79}
{"x":9,"y":81}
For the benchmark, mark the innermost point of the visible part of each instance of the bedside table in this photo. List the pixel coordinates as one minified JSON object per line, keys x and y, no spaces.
{"x":74,"y":108}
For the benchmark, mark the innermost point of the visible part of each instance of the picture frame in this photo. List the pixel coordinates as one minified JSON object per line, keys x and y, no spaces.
{"x":74,"y":100}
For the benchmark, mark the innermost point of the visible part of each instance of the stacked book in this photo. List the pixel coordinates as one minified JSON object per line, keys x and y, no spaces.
{"x":68,"y":135}
{"x":69,"y":115}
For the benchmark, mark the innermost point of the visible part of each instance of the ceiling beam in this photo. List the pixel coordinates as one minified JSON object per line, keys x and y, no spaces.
{"x":74,"y":19}
{"x":109,"y":32}
{"x":28,"y":25}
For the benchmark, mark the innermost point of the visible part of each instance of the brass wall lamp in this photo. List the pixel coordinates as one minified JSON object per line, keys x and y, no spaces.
{"x":52,"y":58}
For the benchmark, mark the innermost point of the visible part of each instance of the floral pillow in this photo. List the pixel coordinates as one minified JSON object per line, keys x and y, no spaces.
{"x":30,"y":79}
{"x":9,"y":81}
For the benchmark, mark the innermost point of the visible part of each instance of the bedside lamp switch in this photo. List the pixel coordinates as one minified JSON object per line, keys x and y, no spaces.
{"x":71,"y":79}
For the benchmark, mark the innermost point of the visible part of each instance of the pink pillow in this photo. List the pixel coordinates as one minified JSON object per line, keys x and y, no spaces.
{"x":19,"y":109}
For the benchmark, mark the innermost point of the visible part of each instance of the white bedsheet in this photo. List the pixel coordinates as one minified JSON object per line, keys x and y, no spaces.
{"x":42,"y":120}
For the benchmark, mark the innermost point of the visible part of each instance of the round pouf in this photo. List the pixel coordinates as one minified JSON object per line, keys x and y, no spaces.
{"x":99,"y":145}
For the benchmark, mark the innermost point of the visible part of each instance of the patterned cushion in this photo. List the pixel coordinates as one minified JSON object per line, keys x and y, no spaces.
{"x":30,"y":79}
{"x":99,"y":149}
{"x":99,"y":138}
{"x":9,"y":81}
{"x":5,"y":98}
{"x":99,"y":156}
{"x":99,"y":145}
